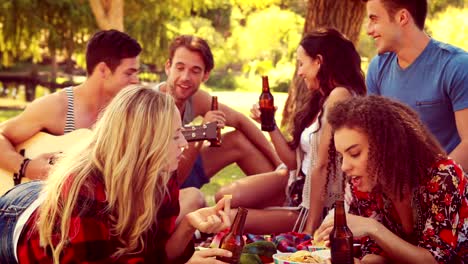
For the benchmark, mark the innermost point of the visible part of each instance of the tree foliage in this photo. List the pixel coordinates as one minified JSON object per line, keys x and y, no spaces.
{"x":109,"y":14}
{"x":28,"y":28}
{"x":245,"y":34}
{"x":437,"y":6}
{"x":449,"y":25}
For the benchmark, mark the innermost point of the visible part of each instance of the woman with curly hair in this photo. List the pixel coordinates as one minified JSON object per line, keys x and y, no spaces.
{"x":330,"y":67}
{"x":409,"y":200}
{"x":115,"y":199}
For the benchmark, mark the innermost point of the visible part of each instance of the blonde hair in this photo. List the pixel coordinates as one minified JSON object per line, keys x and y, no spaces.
{"x":128,"y":154}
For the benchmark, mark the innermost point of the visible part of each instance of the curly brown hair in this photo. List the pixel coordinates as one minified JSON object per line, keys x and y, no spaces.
{"x":341,"y":66}
{"x":401,"y":148}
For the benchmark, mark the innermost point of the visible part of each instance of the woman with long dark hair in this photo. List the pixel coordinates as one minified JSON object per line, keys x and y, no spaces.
{"x":330,"y":67}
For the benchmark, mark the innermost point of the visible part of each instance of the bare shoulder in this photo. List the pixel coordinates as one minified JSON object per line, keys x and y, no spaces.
{"x":45,"y":112}
{"x":201,"y":101}
{"x":51,"y":105}
{"x":338,"y":94}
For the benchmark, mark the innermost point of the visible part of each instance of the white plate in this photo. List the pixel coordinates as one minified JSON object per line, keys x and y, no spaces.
{"x":324,"y":254}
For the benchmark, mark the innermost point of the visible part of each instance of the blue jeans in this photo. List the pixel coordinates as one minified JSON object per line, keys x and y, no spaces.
{"x":12,"y":205}
{"x":197,"y":177}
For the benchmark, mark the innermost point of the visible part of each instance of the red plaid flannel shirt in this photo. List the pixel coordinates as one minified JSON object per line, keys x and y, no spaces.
{"x":90,"y":240}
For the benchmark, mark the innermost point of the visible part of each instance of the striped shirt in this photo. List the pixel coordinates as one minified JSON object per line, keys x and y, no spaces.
{"x":70,"y":118}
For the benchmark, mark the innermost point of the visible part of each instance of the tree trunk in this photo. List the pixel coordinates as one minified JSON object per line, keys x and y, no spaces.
{"x":108,"y":13}
{"x":345,"y":15}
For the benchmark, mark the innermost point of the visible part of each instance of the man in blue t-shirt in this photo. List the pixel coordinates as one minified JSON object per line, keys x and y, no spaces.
{"x":429,"y":76}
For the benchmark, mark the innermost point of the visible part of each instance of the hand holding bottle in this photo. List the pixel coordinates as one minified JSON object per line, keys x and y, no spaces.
{"x":267,"y":107}
{"x":215,"y":116}
{"x":233,"y":240}
{"x":214,"y":107}
{"x":255,"y":112}
{"x":358,"y":225}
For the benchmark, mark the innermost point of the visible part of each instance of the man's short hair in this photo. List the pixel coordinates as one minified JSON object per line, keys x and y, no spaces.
{"x":110,"y":46}
{"x":417,"y":9}
{"x":195,"y":44}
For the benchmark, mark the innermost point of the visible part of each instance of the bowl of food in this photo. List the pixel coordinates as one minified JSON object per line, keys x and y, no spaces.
{"x":302,"y":257}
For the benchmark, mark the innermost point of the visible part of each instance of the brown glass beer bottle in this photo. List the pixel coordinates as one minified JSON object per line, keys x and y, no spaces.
{"x":214,"y":106}
{"x":341,"y":238}
{"x":267,"y":106}
{"x":233,"y":241}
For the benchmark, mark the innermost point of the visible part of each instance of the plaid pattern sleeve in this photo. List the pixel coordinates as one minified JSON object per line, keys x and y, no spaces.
{"x":90,"y":240}
{"x":167,"y":216}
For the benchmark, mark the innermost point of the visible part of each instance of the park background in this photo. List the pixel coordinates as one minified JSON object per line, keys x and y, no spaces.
{"x":42,"y":44}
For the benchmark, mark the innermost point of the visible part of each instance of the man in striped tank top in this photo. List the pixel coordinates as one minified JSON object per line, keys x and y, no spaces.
{"x":112,"y":63}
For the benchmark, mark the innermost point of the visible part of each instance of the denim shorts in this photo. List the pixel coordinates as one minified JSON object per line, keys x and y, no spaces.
{"x":197,"y":177}
{"x":12,"y":205}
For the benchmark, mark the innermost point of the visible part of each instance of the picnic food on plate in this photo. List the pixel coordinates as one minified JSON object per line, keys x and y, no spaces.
{"x":303,"y":256}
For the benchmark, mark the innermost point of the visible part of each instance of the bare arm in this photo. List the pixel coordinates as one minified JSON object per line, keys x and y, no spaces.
{"x":255,"y":135}
{"x":21,"y":128}
{"x":318,"y":173}
{"x":232,"y":118}
{"x":460,"y":153}
{"x":208,"y":220}
{"x":285,"y":153}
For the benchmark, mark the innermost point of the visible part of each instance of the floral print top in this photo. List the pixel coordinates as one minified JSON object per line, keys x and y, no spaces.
{"x":441,"y":214}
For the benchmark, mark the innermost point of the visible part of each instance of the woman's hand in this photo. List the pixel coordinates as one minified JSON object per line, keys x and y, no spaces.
{"x":207,"y":256}
{"x":359,"y":226}
{"x":210,"y":219}
{"x":255,"y":113}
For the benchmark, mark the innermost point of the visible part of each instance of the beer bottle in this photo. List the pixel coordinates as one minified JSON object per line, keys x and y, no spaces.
{"x":341,"y":238}
{"x":214,"y":106}
{"x":267,"y":107}
{"x":233,"y":241}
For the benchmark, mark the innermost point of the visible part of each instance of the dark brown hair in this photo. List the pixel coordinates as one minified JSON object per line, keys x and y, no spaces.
{"x":110,"y":46}
{"x":341,"y":66}
{"x":401,"y":148}
{"x":417,"y":9}
{"x":195,"y":44}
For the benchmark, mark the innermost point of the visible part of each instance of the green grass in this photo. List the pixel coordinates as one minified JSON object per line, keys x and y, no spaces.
{"x":223,"y":177}
{"x":240,"y":101}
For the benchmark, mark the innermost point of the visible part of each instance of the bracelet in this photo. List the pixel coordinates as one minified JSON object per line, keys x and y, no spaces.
{"x":21,"y":173}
